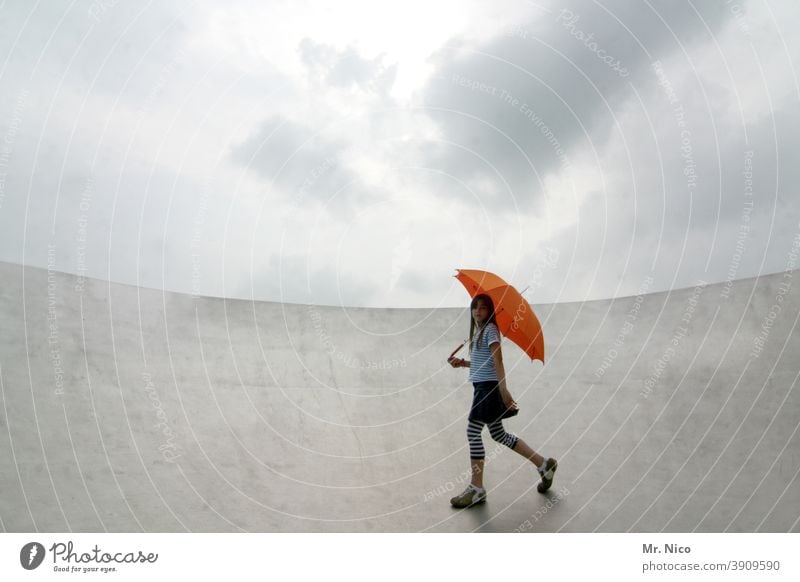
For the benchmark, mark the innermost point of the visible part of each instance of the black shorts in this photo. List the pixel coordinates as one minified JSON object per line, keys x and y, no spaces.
{"x":487,"y":403}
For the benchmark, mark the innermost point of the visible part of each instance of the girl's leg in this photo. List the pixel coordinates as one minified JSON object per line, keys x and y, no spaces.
{"x":477,"y":453}
{"x":515,"y":443}
{"x":523,"y":449}
{"x":477,"y":473}
{"x":546,"y":468}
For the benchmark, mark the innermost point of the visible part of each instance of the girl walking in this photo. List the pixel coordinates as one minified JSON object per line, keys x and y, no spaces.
{"x":491,"y":401}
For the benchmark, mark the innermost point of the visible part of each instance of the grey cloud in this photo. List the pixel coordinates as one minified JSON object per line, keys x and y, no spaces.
{"x":296,"y":160}
{"x":639,"y":227}
{"x":529,"y":98}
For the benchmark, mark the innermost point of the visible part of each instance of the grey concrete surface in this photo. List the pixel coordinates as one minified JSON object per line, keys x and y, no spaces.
{"x":125,"y":409}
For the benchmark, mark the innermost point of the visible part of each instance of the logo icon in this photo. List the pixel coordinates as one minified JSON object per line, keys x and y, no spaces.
{"x":31,"y":555}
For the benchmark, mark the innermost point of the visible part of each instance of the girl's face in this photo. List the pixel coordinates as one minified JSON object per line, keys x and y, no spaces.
{"x":480,"y":313}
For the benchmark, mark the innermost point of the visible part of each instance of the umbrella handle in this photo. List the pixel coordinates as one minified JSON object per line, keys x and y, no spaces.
{"x":455,"y":351}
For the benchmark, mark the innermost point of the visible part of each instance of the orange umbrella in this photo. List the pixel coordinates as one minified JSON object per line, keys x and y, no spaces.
{"x":514,"y":316}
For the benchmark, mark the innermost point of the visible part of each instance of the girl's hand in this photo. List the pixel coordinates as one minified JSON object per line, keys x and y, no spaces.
{"x":455,"y":362}
{"x":508,"y":400}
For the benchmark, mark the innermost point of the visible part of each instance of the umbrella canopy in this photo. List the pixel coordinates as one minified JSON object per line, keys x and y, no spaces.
{"x":514,"y":316}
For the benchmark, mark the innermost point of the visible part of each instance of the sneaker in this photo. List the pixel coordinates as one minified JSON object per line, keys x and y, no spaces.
{"x":550,"y":466}
{"x":471,"y":496}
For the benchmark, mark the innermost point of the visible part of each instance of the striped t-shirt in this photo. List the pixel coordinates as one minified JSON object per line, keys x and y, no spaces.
{"x":481,"y":366}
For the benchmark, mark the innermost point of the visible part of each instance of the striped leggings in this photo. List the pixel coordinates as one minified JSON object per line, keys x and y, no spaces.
{"x":499,"y":434}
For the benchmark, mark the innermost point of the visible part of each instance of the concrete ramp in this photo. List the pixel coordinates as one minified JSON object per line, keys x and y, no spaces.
{"x":125,"y":409}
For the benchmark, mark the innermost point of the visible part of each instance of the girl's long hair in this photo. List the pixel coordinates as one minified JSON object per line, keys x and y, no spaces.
{"x":490,"y":304}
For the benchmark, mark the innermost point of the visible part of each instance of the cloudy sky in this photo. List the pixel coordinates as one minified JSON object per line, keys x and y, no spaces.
{"x":356,"y":153}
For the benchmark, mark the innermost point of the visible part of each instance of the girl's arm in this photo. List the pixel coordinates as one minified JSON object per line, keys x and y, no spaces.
{"x":497,"y":355}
